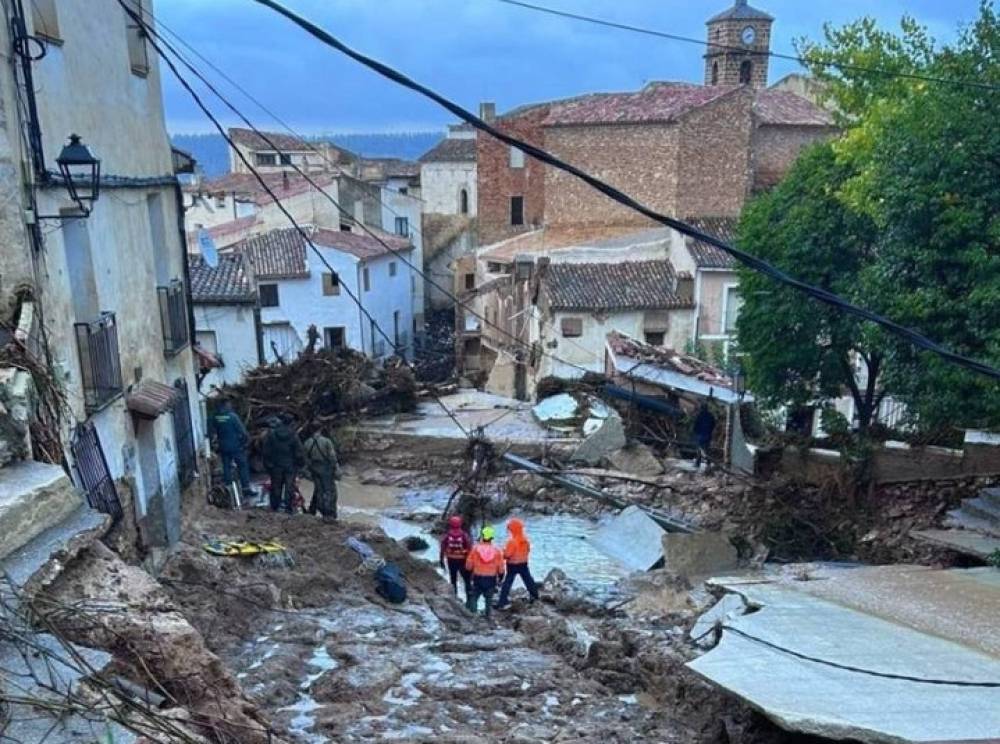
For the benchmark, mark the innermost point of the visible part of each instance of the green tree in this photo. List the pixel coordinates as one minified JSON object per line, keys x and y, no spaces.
{"x":901,"y":215}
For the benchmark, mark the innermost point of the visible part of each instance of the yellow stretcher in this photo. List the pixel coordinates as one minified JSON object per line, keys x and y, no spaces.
{"x":271,"y":551}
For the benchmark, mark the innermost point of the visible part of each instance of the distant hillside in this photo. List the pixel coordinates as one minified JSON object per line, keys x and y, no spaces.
{"x":211,"y":151}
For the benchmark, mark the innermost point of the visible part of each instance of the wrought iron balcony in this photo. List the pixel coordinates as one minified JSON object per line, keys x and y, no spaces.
{"x":100,"y":363}
{"x":173,"y":316}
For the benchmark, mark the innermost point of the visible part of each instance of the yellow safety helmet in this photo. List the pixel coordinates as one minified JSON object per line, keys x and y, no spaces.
{"x":488,"y":533}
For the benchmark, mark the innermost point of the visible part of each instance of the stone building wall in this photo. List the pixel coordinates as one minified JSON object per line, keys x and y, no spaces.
{"x":639,"y":159}
{"x":775,"y":149}
{"x":728,"y":34}
{"x":498,"y":182}
{"x":713,"y":157}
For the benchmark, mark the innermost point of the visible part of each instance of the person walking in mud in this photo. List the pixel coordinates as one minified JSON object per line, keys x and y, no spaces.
{"x":455,"y":547}
{"x":485,"y":563}
{"x":283,"y":457}
{"x":321,"y":458}
{"x":515,"y":552}
{"x":231,"y":438}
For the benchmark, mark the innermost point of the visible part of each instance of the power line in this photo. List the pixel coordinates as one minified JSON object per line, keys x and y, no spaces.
{"x":150,"y":33}
{"x":270,"y":143}
{"x":748,"y":260}
{"x":743,"y":50}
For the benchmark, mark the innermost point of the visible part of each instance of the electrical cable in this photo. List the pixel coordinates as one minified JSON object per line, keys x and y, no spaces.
{"x":271,"y":144}
{"x":744,"y":50}
{"x":748,"y":260}
{"x":303,"y":233}
{"x":859,"y":670}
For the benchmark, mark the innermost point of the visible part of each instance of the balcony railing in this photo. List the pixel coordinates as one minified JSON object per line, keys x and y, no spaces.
{"x":173,"y":317}
{"x":100,"y":364}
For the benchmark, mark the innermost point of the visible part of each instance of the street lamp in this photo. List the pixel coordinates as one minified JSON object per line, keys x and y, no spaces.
{"x":81,"y":172}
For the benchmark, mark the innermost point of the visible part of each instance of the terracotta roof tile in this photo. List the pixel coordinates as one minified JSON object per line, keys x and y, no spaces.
{"x":783,"y":107}
{"x":705,"y":255}
{"x":362,"y":245}
{"x":657,"y":102}
{"x":225,"y":283}
{"x":278,"y":254}
{"x":625,"y":285}
{"x":662,"y":356}
{"x":451,"y":150}
{"x":149,"y":398}
{"x":251,"y":139}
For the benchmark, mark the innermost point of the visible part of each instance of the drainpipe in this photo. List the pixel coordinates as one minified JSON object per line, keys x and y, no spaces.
{"x":361,"y":316}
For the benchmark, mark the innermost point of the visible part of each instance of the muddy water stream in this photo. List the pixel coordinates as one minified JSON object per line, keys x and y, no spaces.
{"x":403,"y":674}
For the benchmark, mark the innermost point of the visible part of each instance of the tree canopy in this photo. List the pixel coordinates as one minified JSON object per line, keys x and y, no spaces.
{"x":901,"y":214}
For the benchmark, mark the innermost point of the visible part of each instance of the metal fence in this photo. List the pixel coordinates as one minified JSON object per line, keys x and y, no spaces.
{"x":92,"y":471}
{"x":173,"y":317}
{"x":187,"y":454}
{"x":100,"y":363}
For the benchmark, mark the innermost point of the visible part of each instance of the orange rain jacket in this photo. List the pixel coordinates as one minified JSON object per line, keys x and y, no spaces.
{"x":485,"y":559}
{"x":517,"y":548}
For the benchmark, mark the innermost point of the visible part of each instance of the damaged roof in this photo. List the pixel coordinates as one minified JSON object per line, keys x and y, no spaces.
{"x":625,"y":285}
{"x":706,"y":255}
{"x":229,"y":282}
{"x":451,"y":150}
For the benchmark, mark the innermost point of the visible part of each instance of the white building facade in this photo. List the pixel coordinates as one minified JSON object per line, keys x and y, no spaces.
{"x":109,"y":287}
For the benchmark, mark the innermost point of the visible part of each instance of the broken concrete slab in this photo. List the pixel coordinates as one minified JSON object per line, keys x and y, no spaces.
{"x":636,"y":459}
{"x":698,"y":554}
{"x":805,"y":693}
{"x":633,"y":538}
{"x":33,"y":497}
{"x":966,"y":542}
{"x":604,"y":437}
{"x":727,"y":608}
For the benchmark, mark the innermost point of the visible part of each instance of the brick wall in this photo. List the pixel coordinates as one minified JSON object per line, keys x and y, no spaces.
{"x":775,"y":149}
{"x":713,"y":158}
{"x":639,"y":159}
{"x":498,"y":182}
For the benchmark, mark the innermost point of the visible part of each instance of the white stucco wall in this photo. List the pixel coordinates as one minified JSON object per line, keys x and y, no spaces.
{"x":441,"y":183}
{"x":396,"y":205}
{"x":235,"y":336}
{"x":86,"y":86}
{"x":302,"y":302}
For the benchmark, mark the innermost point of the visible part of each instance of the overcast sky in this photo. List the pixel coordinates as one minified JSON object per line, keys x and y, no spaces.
{"x":473,"y":50}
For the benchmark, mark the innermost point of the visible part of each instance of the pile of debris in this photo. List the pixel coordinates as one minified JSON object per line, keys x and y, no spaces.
{"x":327,"y":387}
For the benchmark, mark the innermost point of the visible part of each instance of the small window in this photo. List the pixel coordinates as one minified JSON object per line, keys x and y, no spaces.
{"x":516,"y":158}
{"x":404,"y":190}
{"x":331,"y":284}
{"x":655,"y":338}
{"x":333,"y":338}
{"x":494,"y":267}
{"x":220,"y":201}
{"x":345,"y":227}
{"x":138,"y":55}
{"x":470,"y":281}
{"x":266,"y":158}
{"x":572,"y":327}
{"x":268,"y":295}
{"x":746,"y":72}
{"x":392,"y":268}
{"x":733,"y":304}
{"x":463,"y":201}
{"x":403,"y":226}
{"x":517,"y":210}
{"x":285,"y":158}
{"x":366,"y":275}
{"x":715,"y":73}
{"x":45,"y":20}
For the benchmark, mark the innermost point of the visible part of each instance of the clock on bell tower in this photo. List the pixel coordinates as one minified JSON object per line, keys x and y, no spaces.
{"x":739,"y":40}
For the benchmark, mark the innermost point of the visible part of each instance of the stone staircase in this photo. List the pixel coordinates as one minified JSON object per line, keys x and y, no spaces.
{"x":972,"y":529}
{"x":979,"y":514}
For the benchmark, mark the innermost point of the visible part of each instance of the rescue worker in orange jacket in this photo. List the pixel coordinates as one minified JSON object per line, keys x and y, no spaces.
{"x":516,"y":554}
{"x":485,"y":563}
{"x":455,"y":547}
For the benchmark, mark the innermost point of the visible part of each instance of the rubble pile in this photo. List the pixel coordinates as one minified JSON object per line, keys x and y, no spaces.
{"x":327,"y":387}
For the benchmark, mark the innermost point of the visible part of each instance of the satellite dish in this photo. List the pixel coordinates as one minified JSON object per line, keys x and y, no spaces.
{"x":208,"y":250}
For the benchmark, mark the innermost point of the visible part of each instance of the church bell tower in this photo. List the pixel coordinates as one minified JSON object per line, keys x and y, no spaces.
{"x":739,"y":40}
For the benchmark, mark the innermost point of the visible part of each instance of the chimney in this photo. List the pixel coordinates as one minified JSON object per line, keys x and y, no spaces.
{"x":488,"y":111}
{"x":684,"y":288}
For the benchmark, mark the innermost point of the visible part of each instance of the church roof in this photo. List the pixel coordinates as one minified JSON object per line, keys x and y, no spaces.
{"x":741,"y":11}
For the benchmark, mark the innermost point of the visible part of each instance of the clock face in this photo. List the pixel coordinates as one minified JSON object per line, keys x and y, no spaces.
{"x":749,"y":35}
